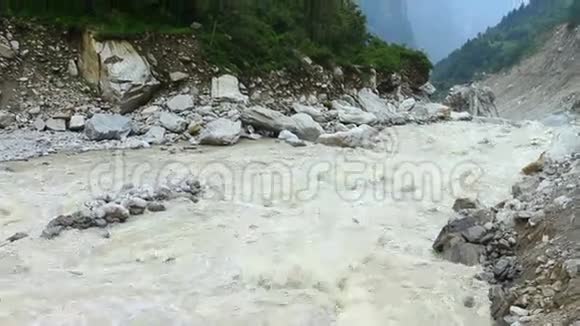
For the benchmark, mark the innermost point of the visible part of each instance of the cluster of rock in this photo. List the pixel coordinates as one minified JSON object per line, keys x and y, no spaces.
{"x":130,"y":201}
{"x":475,"y":99}
{"x":535,"y":276}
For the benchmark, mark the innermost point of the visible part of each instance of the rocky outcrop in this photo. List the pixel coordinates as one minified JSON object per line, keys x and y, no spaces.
{"x":110,"y":209}
{"x":120,"y":73}
{"x":385,"y":112}
{"x":475,"y":99}
{"x":221,"y":132}
{"x":361,"y":136}
{"x":108,"y":126}
{"x":227,"y":88}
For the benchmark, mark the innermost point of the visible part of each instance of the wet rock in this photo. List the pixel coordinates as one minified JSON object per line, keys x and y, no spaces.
{"x":465,"y":203}
{"x":6,"y":119}
{"x":56,"y":124}
{"x":108,"y":126}
{"x":17,"y":236}
{"x":221,"y":132}
{"x":77,"y":122}
{"x":227,"y":87}
{"x":155,"y":207}
{"x":469,"y":302}
{"x":306,"y":127}
{"x":457,"y":250}
{"x":361,"y":136}
{"x":172,"y":122}
{"x":136,"y":206}
{"x":291,"y":139}
{"x":180,"y":103}
{"x":474,"y":234}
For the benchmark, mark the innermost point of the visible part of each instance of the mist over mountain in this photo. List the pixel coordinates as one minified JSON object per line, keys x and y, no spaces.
{"x":438,"y":27}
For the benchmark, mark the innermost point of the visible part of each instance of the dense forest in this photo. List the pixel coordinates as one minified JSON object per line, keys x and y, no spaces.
{"x":240,"y":34}
{"x":517,"y":35}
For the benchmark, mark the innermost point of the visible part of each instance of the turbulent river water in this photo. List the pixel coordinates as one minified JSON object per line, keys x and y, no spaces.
{"x":284,"y":236}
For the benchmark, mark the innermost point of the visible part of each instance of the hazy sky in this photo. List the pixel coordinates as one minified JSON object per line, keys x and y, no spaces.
{"x":441,"y":26}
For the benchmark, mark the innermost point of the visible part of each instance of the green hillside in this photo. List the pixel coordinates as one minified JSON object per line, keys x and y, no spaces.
{"x":517,"y":35}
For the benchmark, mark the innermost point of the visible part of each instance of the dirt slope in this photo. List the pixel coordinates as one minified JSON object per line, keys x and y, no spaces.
{"x":545,"y":86}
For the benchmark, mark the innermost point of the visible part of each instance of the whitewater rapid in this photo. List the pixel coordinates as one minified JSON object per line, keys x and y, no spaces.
{"x":284,"y":236}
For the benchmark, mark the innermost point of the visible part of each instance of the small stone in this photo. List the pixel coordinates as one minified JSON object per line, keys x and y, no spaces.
{"x":39,"y":124}
{"x":72,"y":68}
{"x":178,"y":76}
{"x":469,"y":302}
{"x":517,"y":311}
{"x":155,"y":207}
{"x":465,"y":203}
{"x":17,"y":236}
{"x":194,"y":128}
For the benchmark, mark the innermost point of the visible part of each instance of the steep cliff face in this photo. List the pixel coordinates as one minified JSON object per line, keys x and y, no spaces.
{"x":389,"y":20}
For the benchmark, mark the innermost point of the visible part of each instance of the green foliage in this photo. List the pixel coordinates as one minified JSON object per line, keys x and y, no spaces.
{"x":500,"y":47}
{"x":248,"y":35}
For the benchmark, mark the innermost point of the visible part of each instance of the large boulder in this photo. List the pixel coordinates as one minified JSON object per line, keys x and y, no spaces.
{"x":475,"y":99}
{"x":361,"y":136}
{"x":385,"y":112}
{"x":108,"y":126}
{"x":227,"y":87}
{"x":172,"y":122}
{"x":460,"y":241}
{"x":349,"y":114}
{"x":121,"y":74}
{"x":306,"y":127}
{"x":266,"y":119}
{"x":221,"y":132}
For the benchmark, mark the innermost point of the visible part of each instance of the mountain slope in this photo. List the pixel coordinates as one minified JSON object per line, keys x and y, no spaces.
{"x":547,"y":82}
{"x":516,"y":36}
